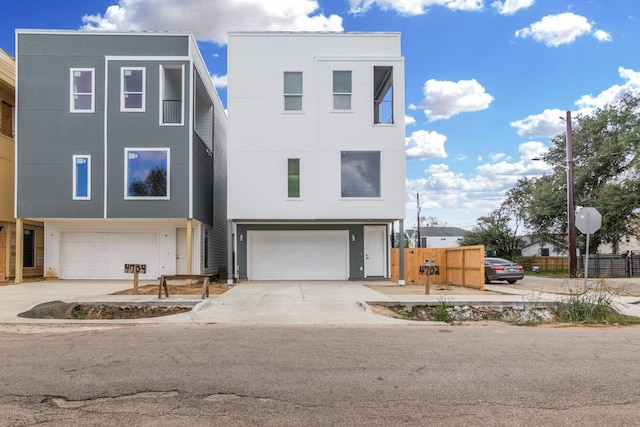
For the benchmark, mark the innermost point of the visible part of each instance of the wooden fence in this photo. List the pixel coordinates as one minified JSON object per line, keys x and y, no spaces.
{"x":461,"y":266}
{"x":551,"y":262}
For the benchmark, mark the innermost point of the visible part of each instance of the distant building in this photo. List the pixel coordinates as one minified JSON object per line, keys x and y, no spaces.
{"x":435,"y":237}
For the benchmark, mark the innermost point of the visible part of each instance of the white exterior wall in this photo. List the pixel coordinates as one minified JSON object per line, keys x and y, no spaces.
{"x":263,"y":136}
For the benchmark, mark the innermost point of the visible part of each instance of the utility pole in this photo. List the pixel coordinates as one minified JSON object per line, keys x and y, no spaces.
{"x":571,"y":211}
{"x":418,"y":222}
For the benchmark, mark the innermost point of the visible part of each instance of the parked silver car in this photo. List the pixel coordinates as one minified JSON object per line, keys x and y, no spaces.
{"x":502,"y":269}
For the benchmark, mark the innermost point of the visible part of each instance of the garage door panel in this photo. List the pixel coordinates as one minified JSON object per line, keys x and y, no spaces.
{"x":102,"y":255}
{"x":298,"y":255}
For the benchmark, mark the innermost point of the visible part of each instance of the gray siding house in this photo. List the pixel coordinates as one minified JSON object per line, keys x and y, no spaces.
{"x":121,"y":152}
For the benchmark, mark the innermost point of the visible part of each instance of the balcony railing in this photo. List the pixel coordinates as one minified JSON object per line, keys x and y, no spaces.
{"x":383,"y":112}
{"x":172,"y":111}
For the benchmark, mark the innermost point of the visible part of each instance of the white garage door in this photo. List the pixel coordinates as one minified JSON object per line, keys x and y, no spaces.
{"x":102,"y":255}
{"x":298,"y":255}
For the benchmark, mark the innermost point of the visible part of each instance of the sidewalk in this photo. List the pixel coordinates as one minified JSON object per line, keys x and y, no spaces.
{"x":290,"y":302}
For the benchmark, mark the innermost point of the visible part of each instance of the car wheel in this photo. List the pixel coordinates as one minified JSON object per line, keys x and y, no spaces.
{"x":486,"y":280}
{"x":511,"y":281}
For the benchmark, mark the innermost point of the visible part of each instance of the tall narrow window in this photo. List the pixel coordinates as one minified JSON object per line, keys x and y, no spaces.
{"x":360,"y":174}
{"x":342,"y":90}
{"x":82,"y":90}
{"x":81,"y":177}
{"x":383,"y":95}
{"x":292,"y":91}
{"x":132,"y":84}
{"x":171,"y":89}
{"x":29,"y":248}
{"x":293,"y":175}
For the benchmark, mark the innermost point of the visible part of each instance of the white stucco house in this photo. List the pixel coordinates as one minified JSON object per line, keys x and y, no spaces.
{"x":316,"y":154}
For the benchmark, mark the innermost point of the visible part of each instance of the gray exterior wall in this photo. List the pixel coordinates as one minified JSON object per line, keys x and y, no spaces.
{"x":49,"y":134}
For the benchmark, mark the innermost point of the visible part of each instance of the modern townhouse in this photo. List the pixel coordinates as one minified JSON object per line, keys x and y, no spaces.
{"x":121,"y":152}
{"x":316,"y":154}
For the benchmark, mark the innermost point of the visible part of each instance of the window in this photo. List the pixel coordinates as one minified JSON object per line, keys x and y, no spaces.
{"x":360,"y":173}
{"x":146,"y":173}
{"x":81,"y":177}
{"x":342,"y":90}
{"x":292,"y":91}
{"x":29,"y":248}
{"x":293,"y":176}
{"x":383,"y":95}
{"x":82,"y":90}
{"x":6,"y":119}
{"x":172,"y":87}
{"x":132,"y":85}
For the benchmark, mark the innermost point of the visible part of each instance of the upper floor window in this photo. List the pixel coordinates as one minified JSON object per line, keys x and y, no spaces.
{"x":383,"y":95}
{"x":360,"y":174}
{"x":292,"y":91}
{"x":82,"y":90}
{"x":81,"y":177}
{"x":293,"y":178}
{"x":171,"y":90}
{"x":132,"y":85}
{"x":146,"y":173}
{"x":342,"y":90}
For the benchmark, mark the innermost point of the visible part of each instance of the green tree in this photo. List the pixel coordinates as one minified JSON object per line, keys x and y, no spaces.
{"x":497,"y":233}
{"x":606,"y":153}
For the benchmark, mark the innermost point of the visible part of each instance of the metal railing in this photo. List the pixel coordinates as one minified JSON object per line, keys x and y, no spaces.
{"x":383,"y":112}
{"x":172,"y":111}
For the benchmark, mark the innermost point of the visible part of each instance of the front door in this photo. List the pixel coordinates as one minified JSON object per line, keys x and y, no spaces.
{"x":375,"y":264}
{"x":181,"y":251}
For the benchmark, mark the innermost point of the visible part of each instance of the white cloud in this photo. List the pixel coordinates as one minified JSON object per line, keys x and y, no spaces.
{"x":219,"y":81}
{"x":450,"y":195}
{"x":548,"y":124}
{"x":556,"y":30}
{"x":210,"y":20}
{"x":602,"y":36}
{"x":444,"y":99}
{"x":509,"y":7}
{"x":497,"y":156}
{"x":414,"y":7}
{"x":423,"y":145}
{"x":409,"y":121}
{"x":615,"y":92}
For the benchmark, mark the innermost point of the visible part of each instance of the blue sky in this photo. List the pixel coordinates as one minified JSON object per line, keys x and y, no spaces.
{"x":486,"y":82}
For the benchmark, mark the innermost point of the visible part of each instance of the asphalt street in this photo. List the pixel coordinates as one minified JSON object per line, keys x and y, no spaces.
{"x":237,"y":375}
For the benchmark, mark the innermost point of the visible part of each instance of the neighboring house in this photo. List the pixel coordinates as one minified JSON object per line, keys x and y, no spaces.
{"x":531,"y":247}
{"x":316,"y":153}
{"x":435,"y":237}
{"x":121,"y":152}
{"x":30,"y":250}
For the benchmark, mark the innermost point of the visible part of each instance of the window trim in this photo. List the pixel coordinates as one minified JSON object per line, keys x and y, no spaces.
{"x":293,"y":94}
{"x":124,"y":93}
{"x":73,"y":93}
{"x":289,"y":196}
{"x":335,"y":93}
{"x":128,"y":150}
{"x":76,"y":157}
